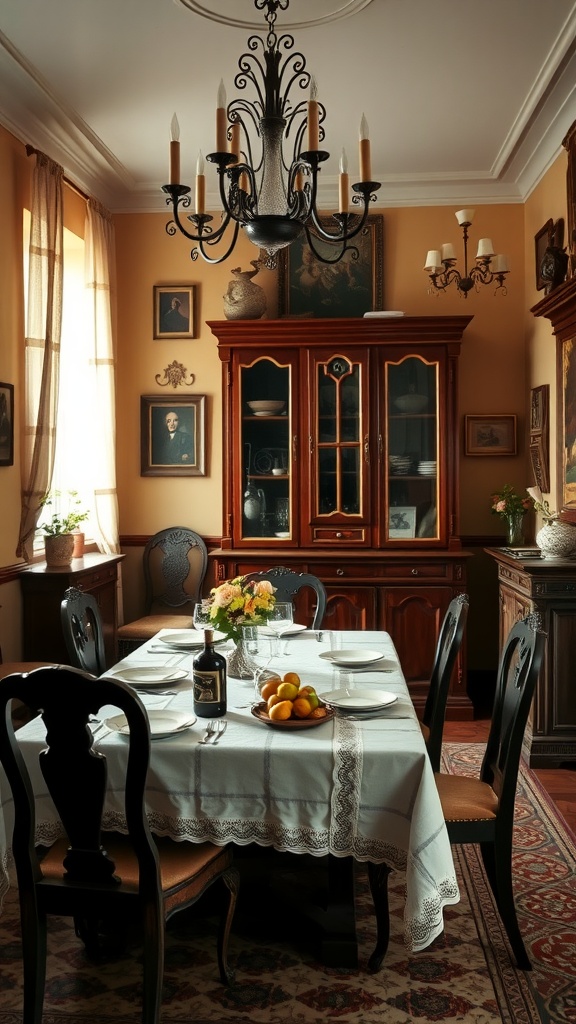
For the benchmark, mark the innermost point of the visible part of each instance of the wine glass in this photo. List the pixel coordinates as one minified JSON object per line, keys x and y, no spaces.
{"x":280,"y":620}
{"x":201,"y":617}
{"x":261,"y":656}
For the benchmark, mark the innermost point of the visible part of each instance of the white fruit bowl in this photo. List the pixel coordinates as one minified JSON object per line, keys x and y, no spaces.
{"x":266,"y":407}
{"x":411,"y":403}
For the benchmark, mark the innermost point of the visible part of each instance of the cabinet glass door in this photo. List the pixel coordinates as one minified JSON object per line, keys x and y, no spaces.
{"x":413,"y":465}
{"x":265,"y":418}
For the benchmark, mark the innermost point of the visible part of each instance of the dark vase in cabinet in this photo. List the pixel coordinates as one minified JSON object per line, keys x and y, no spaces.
{"x":342,"y":461}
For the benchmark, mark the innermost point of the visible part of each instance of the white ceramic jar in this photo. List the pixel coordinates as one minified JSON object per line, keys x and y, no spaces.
{"x":557,"y":540}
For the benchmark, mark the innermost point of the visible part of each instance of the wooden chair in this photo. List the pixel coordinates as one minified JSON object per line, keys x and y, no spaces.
{"x":174,"y":562}
{"x":288,"y":583}
{"x":481,"y":810}
{"x":135,"y":877}
{"x":447,"y":648}
{"x":83,"y":631}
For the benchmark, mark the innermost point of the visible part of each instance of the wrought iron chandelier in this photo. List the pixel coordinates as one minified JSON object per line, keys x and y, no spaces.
{"x":272,"y":199}
{"x":489,"y":267}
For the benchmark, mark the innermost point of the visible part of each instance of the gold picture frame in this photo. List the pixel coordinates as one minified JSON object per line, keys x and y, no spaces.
{"x":490,"y":435}
{"x":172,"y":435}
{"x":174,"y":311}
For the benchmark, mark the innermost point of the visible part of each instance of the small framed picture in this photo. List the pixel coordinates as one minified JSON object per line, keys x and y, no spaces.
{"x":542,"y":239}
{"x":490,"y":435}
{"x":172,"y":435}
{"x":6,"y":424}
{"x":401,"y":521}
{"x":540,"y":436}
{"x":174,"y":311}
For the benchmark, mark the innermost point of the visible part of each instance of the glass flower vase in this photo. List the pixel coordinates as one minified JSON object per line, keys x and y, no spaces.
{"x":241,"y":664}
{"x":515,"y":529}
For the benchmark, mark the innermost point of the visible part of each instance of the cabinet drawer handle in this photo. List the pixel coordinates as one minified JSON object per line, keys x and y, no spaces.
{"x":414,"y":572}
{"x":339,"y":536}
{"x":339,"y":572}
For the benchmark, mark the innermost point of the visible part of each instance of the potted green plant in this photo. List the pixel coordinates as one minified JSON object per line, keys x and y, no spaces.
{"x":59,"y":529}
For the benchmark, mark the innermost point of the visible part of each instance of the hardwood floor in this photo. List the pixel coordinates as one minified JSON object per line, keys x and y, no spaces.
{"x":559,"y":783}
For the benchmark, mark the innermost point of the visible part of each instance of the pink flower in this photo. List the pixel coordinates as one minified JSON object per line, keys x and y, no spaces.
{"x":501,"y":506}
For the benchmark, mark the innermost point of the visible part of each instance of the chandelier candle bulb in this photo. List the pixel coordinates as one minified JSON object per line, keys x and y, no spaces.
{"x":174,"y":151}
{"x":200,"y":186}
{"x":343,"y":184}
{"x":221,"y":146}
{"x":365,"y":161}
{"x":485,"y":248}
{"x":313,"y":117}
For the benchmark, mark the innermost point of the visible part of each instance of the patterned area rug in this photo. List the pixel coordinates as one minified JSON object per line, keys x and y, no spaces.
{"x":466,"y":975}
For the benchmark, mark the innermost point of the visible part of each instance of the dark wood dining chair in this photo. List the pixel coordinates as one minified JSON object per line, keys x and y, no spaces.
{"x":481,"y":810}
{"x":447,"y":648}
{"x":133,"y":877}
{"x":83,"y":631}
{"x":174,"y":562}
{"x":289,"y":583}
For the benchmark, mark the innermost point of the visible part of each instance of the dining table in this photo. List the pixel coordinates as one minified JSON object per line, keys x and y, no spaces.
{"x":356,"y":787}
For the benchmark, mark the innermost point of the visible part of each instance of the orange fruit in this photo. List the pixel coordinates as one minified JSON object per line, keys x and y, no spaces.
{"x":301,"y":707}
{"x":273,"y":699}
{"x":281,"y":712}
{"x":287,"y":691}
{"x":319,"y":712}
{"x":310,"y":695}
{"x":270,"y":687}
{"x":292,"y":677}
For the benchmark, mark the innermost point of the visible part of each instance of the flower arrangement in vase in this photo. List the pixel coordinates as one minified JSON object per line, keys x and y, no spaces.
{"x":512,"y":507}
{"x":555,"y":539}
{"x":236,"y":605}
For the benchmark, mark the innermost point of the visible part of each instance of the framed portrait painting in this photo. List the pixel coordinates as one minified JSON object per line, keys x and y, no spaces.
{"x":351,"y":287}
{"x":566,"y":403}
{"x":172,"y":435}
{"x":540,"y":436}
{"x":402,"y":522}
{"x":542,"y":239}
{"x":174,"y":311}
{"x":490,"y":435}
{"x":6,"y":424}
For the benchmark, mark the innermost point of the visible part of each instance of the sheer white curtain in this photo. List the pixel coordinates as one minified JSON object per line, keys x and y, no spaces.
{"x":100,"y":277}
{"x":42,"y":344}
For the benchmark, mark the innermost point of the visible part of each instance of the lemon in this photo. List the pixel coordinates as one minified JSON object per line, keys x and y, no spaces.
{"x":287,"y":691}
{"x":281,"y":712}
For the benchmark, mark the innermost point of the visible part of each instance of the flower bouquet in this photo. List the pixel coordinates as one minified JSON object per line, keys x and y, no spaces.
{"x":511,"y":507}
{"x":240,"y":602}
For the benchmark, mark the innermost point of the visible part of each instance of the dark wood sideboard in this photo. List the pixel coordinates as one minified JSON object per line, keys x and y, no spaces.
{"x":549,"y":588}
{"x":42,"y":592}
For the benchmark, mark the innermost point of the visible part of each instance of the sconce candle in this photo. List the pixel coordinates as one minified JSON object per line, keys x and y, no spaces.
{"x":221,"y":119}
{"x":200,"y":185}
{"x":313,"y":117}
{"x":174,"y":151}
{"x":343,"y":184}
{"x":365,"y":159}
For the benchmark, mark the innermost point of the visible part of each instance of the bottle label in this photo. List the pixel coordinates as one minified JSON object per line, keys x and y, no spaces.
{"x":208,"y":687}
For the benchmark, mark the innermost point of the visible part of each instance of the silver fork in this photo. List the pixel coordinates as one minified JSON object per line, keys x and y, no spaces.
{"x":210,"y":730}
{"x":220,"y":730}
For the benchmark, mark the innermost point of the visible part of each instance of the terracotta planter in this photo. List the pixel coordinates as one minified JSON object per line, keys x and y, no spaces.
{"x":79,"y":539}
{"x":59,"y":549}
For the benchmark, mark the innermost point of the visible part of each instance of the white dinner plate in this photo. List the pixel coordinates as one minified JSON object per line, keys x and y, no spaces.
{"x":162,"y":723}
{"x":150,"y":676}
{"x":358,"y":700}
{"x":189,"y":638}
{"x":352,"y":657}
{"x":289,"y":631}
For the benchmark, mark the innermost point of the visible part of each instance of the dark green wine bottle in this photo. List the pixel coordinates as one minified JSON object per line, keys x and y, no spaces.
{"x":209,"y":677}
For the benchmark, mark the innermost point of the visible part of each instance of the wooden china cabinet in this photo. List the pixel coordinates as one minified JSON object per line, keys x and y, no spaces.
{"x":341,"y":446}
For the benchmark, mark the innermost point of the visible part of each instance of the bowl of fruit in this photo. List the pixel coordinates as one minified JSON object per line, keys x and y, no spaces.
{"x":287,"y":704}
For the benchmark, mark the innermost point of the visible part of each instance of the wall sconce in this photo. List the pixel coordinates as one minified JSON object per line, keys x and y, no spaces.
{"x":440,"y":264}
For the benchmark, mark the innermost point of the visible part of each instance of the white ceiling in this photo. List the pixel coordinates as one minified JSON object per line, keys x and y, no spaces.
{"x":467,"y":102}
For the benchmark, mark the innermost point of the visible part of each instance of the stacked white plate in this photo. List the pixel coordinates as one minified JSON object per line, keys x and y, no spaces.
{"x":399,"y":464}
{"x":427,"y":467}
{"x":358,"y":701}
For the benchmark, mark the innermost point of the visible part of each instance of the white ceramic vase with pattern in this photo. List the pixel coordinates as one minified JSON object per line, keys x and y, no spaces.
{"x":557,"y":540}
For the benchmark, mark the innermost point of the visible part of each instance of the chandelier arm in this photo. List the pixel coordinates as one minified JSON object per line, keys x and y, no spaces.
{"x":199,"y":219}
{"x":340,"y":253}
{"x":211,"y":240}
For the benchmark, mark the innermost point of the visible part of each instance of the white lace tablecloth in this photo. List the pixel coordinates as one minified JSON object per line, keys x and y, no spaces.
{"x":348,"y":788}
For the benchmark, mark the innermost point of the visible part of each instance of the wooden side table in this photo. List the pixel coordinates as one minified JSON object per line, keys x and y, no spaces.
{"x":42,"y":592}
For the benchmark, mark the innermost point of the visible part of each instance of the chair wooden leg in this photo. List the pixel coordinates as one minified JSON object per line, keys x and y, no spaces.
{"x":33,"y":923}
{"x":378,"y":878}
{"x":498,"y":866}
{"x":231,"y":880}
{"x":153,"y":965}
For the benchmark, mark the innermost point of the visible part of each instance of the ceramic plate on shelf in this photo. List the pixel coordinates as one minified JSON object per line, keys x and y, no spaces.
{"x":150,"y":676}
{"x":189,"y":638}
{"x":351,"y":658}
{"x":162,"y":723}
{"x":260,"y":712}
{"x":358,"y":699}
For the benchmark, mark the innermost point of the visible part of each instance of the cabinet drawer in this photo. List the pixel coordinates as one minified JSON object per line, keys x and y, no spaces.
{"x":416,"y":570}
{"x":94,"y":578}
{"x":381,"y":569}
{"x":343,"y":534}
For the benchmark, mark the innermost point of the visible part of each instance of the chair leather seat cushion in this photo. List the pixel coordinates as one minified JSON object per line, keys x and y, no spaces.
{"x":146,"y":627}
{"x":465,"y":799}
{"x":185,"y":867}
